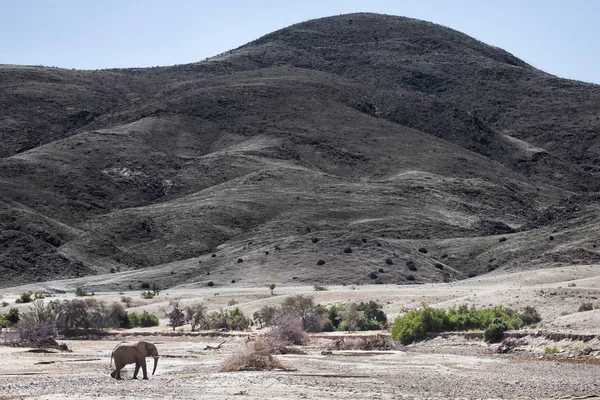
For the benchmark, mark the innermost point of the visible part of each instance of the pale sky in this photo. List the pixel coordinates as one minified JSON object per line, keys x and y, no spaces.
{"x":559,"y":37}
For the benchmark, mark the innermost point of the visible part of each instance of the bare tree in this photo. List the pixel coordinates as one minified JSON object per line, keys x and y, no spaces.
{"x":196,"y":316}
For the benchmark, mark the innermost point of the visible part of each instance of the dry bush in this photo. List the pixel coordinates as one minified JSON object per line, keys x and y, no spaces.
{"x":288,"y":329}
{"x":255,"y":356}
{"x":196,"y":316}
{"x":376,"y":342}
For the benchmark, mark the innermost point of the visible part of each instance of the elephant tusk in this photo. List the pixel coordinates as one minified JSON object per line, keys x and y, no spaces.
{"x":155,"y":364}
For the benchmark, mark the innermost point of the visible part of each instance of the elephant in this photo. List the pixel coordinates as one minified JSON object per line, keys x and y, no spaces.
{"x":133,"y":353}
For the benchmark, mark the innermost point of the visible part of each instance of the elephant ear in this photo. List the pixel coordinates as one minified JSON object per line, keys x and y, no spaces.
{"x":150,"y":349}
{"x":143,"y":348}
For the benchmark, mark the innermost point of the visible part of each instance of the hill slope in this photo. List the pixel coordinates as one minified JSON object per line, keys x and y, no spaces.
{"x":378,"y":133}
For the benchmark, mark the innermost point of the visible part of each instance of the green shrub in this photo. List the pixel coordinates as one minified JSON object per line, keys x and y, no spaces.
{"x":415,"y":324}
{"x":228,"y":320}
{"x":319,"y":288}
{"x":147,"y":295}
{"x":144,"y":319}
{"x":80,"y":292}
{"x":373,"y":311}
{"x":25,"y":297}
{"x":10,"y":318}
{"x":551,"y":350}
{"x":494,"y":333}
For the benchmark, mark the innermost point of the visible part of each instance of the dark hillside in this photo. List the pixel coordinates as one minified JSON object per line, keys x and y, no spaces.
{"x":381,"y":134}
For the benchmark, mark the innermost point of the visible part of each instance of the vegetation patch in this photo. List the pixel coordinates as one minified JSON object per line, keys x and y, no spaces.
{"x":415,"y":324}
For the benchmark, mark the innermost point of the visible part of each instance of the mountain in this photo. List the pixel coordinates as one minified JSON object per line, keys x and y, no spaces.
{"x":324,"y":152}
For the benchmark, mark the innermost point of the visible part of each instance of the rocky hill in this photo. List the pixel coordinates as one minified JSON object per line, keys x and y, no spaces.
{"x":325,"y":152}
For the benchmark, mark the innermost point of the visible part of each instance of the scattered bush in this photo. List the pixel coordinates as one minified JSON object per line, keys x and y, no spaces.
{"x":422,"y":250}
{"x":585,"y":307}
{"x":410,"y":277}
{"x":240,"y":260}
{"x":502,"y":239}
{"x":411,"y":265}
{"x":25,"y":297}
{"x":127,"y":301}
{"x":210,"y":284}
{"x":145,"y":285}
{"x":315,"y":240}
{"x":530,"y":316}
{"x":320,"y":262}
{"x":439,"y":265}
{"x":373,"y":275}
{"x":381,"y":270}
{"x":347,"y":249}
{"x":389,"y":261}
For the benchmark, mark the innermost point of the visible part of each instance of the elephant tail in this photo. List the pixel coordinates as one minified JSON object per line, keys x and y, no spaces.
{"x":112,"y":354}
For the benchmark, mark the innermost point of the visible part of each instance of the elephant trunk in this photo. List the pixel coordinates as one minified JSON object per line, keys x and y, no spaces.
{"x":155,"y":364}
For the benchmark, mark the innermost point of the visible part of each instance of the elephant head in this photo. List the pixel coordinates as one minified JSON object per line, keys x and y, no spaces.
{"x":147,"y":349}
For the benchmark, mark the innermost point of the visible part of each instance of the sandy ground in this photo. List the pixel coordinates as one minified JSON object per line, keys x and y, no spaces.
{"x":451,"y":367}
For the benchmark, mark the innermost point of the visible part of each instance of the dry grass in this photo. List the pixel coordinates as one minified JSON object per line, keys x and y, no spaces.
{"x":376,"y":342}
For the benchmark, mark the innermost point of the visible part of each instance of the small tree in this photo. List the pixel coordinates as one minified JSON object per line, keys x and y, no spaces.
{"x":265,"y":315}
{"x":304,"y":307}
{"x":196,"y":316}
{"x":351,"y":315}
{"x":176,"y":316}
{"x":155,"y":289}
{"x":272,"y":287}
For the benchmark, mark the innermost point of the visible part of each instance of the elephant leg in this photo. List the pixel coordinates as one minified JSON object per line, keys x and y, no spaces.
{"x":143,"y":362}
{"x":137,"y":369}
{"x":117,"y":372}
